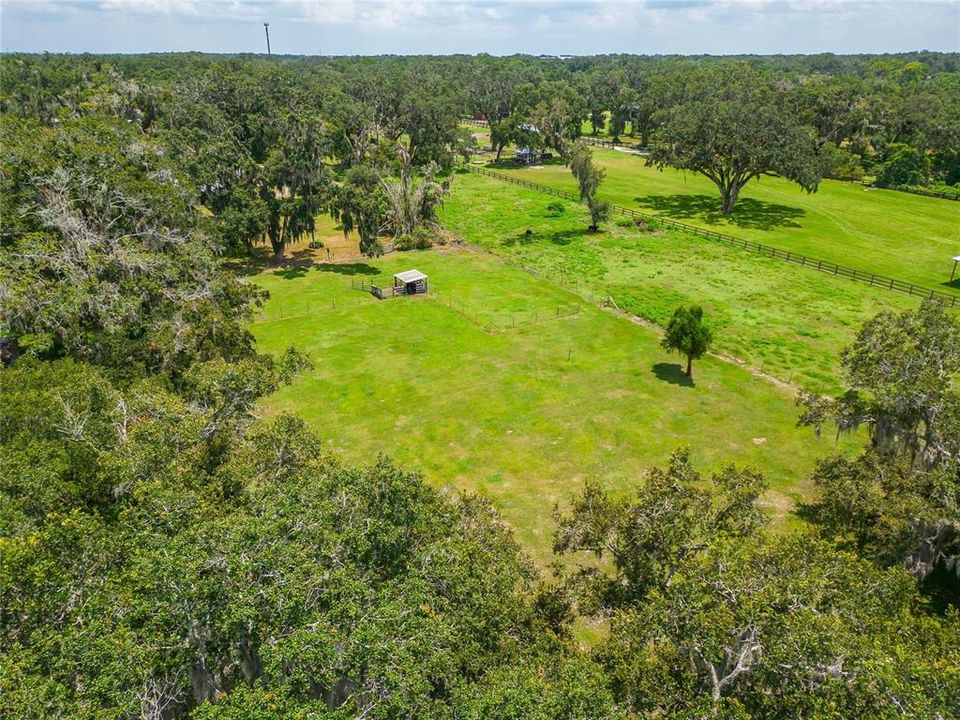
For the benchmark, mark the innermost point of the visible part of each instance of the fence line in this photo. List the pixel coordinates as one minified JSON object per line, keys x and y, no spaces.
{"x":825,"y":266}
{"x":916,"y":191}
{"x":518,"y":318}
{"x":600,"y":142}
{"x":484,"y":321}
{"x":278,"y":313}
{"x":589,"y":139}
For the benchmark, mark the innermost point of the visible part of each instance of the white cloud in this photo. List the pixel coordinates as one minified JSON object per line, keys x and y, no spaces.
{"x":165,"y":7}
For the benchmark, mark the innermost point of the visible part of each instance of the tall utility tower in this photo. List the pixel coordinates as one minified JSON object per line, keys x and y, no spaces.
{"x":266,"y":29}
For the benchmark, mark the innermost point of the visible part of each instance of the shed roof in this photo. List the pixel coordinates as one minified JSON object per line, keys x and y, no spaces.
{"x":410,"y":276}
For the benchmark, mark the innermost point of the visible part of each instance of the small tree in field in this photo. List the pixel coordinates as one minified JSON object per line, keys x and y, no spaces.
{"x":599,"y":212}
{"x":687,"y":334}
{"x":579,"y":158}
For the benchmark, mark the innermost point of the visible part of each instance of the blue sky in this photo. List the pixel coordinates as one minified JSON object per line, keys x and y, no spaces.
{"x":500,"y":27}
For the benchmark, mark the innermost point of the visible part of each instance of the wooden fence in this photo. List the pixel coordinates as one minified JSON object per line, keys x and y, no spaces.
{"x":589,"y":139}
{"x":600,"y":142}
{"x":825,"y":266}
{"x":925,"y":193}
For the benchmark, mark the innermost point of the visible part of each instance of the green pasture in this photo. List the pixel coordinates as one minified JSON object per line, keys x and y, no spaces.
{"x":908,"y":237}
{"x":587,"y":130}
{"x":522,"y":414}
{"x":790,"y":321}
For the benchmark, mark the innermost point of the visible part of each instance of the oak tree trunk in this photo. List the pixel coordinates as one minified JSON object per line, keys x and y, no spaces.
{"x":730,"y":194}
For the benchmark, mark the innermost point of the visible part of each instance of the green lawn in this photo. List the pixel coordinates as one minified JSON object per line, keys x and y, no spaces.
{"x":904,"y":236}
{"x":522,"y":415}
{"x":790,"y":321}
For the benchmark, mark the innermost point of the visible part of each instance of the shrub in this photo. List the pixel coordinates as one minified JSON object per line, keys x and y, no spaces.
{"x":841,"y":164}
{"x":316,"y":244}
{"x":556,"y":208}
{"x":905,"y":166}
{"x":419,"y":239}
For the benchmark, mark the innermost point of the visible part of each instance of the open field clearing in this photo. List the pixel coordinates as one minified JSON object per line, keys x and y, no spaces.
{"x":886,"y":232}
{"x":789,"y":320}
{"x":522,"y":415}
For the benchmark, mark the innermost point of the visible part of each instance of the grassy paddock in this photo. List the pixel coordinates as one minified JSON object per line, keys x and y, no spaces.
{"x":891,"y":233}
{"x":790,"y":321}
{"x":522,"y":415}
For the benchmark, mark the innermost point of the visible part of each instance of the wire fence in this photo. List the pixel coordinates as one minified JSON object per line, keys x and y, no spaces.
{"x":301,"y":309}
{"x":486,"y":320}
{"x":825,"y":266}
{"x":504,"y":319}
{"x":915,"y":191}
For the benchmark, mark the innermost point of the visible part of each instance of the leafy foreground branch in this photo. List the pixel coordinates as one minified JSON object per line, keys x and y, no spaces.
{"x":161,"y":557}
{"x":899,"y":502}
{"x":711,"y":618}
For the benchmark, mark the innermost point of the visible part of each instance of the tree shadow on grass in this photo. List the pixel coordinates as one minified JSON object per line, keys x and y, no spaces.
{"x":673,"y":374}
{"x":249,"y":264}
{"x":955,"y":283}
{"x":559,"y":237}
{"x":298,"y":267}
{"x":747,"y":213}
{"x":356,"y":268}
{"x":565,"y":237}
{"x":292,"y":273}
{"x":809,"y":512}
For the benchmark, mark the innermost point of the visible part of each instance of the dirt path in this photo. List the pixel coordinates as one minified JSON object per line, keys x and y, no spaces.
{"x":756,"y":372}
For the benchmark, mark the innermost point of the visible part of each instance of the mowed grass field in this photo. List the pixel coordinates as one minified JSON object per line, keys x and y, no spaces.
{"x":523,"y":415}
{"x":789,"y":321}
{"x":891,"y":233}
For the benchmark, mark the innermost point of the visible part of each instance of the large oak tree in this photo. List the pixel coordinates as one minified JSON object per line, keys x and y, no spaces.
{"x":734,"y":132}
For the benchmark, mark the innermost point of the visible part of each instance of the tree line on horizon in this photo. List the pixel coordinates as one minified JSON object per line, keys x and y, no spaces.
{"x":891,"y":117}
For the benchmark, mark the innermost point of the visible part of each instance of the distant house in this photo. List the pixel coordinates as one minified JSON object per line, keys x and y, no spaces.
{"x":526,"y":156}
{"x":530,"y":156}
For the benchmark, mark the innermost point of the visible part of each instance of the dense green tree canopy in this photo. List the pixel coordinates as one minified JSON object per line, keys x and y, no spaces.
{"x":786,"y":628}
{"x":179,"y":553}
{"x":165,"y":553}
{"x":734,"y":130}
{"x":103,"y":256}
{"x":899,"y":502}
